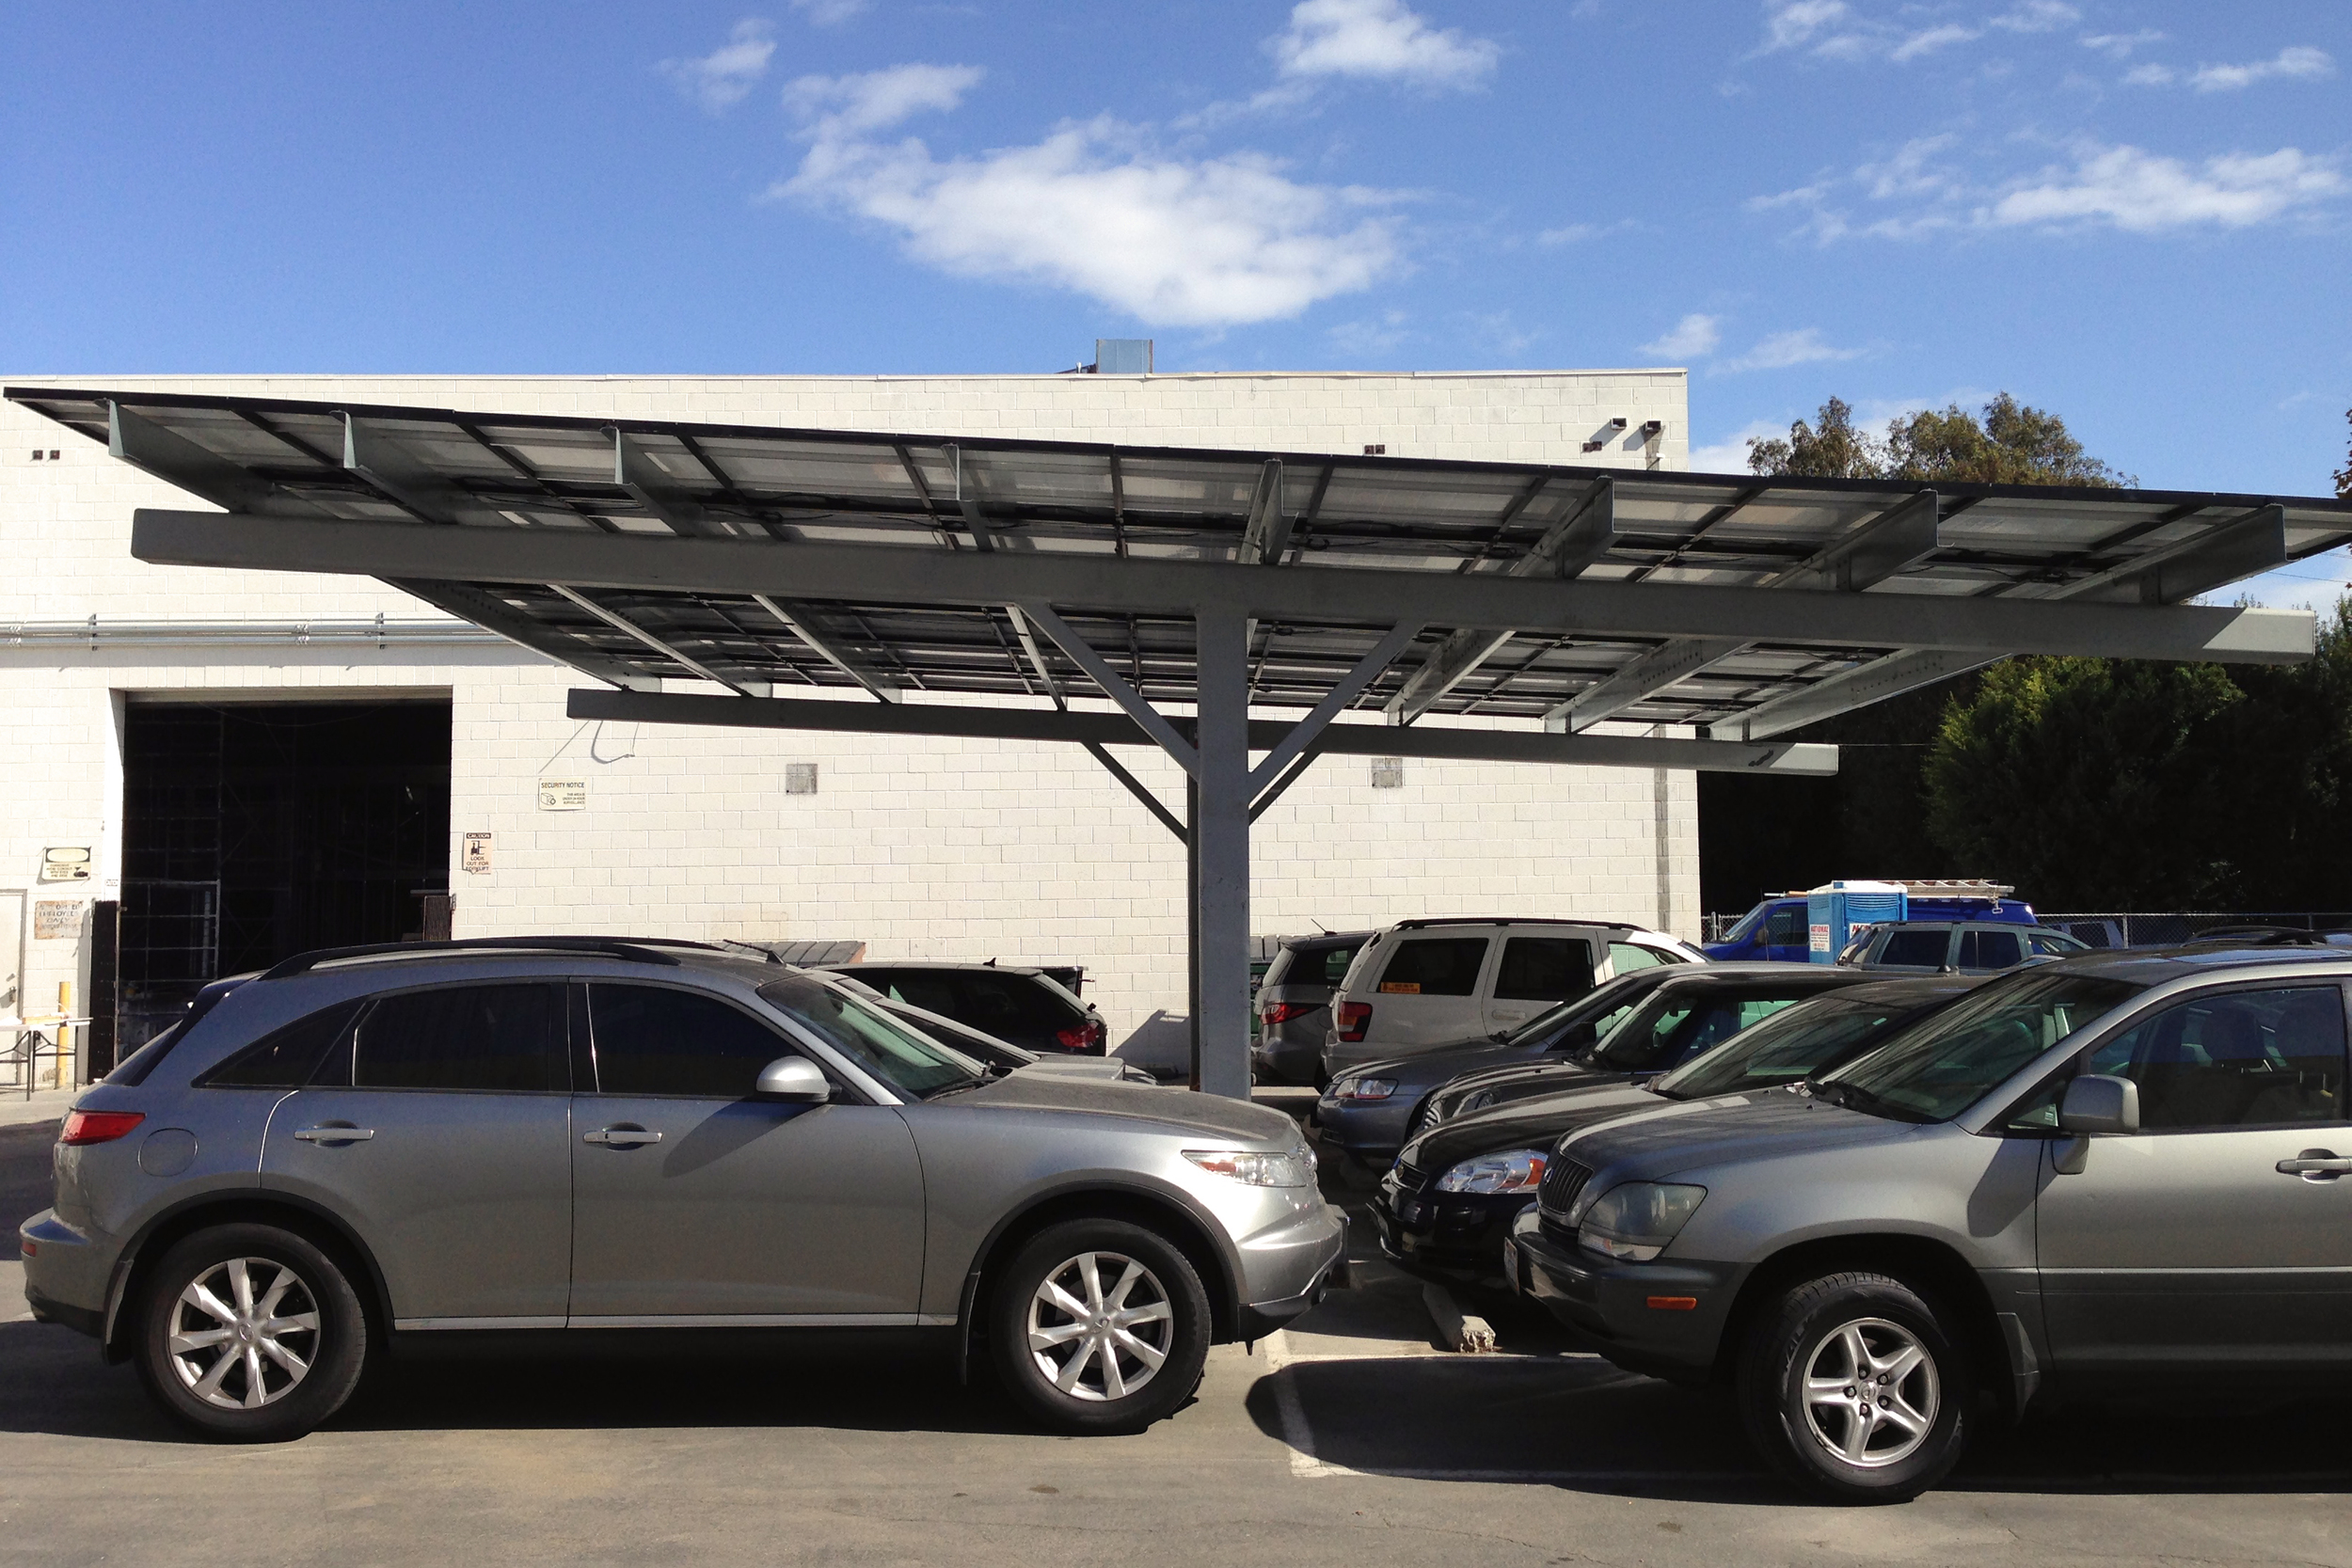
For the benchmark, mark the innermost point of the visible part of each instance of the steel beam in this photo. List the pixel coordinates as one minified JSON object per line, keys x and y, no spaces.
{"x":1351,"y":686}
{"x":1566,"y":547}
{"x":1312,"y":596}
{"x":2213,"y":557}
{"x":372,"y":454}
{"x":493,"y":614}
{"x":1267,"y":534}
{"x":1220,"y":846}
{"x":1149,"y":718}
{"x":1860,"y":687}
{"x":983,"y":537}
{"x":635,"y":471}
{"x":178,"y":461}
{"x":1136,"y":787}
{"x":1116,"y":729}
{"x":802,"y":624}
{"x":621,"y":623}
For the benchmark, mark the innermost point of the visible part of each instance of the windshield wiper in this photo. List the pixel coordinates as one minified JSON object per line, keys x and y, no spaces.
{"x":1852,"y":1097}
{"x":946,"y":1089}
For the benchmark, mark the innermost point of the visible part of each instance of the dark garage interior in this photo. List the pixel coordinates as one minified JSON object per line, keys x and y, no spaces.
{"x":255,"y":831}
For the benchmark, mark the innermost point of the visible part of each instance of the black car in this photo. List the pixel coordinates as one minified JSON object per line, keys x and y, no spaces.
{"x":1368,"y":1112}
{"x":1443,"y":1211}
{"x":1026,"y":1006}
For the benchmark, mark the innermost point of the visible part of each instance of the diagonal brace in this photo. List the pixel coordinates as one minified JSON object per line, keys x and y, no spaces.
{"x":1307,"y":730}
{"x":1115,"y":686}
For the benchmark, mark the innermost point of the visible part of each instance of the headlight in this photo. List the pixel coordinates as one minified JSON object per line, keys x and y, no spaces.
{"x":1634,"y":1221}
{"x":1293,"y":1169}
{"x":1363,"y":1089}
{"x":1517,"y":1171}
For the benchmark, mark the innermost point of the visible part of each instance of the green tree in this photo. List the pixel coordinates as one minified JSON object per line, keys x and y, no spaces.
{"x":1835,"y":450}
{"x":2012,"y":445}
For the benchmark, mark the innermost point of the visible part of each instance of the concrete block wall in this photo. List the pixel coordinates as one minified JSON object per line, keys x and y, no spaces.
{"x":921,"y":847}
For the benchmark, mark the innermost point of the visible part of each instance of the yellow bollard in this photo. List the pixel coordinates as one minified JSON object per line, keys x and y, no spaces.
{"x":65,"y":1032}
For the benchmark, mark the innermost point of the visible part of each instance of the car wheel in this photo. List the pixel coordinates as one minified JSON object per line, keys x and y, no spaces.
{"x":251,"y":1333}
{"x":1855,"y":1389}
{"x":1100,"y":1326}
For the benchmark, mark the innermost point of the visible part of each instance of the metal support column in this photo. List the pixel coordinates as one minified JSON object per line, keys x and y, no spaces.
{"x":1220,"y":839}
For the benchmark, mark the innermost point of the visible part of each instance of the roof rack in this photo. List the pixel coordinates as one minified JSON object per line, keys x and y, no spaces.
{"x":1416,"y":925}
{"x":635,"y":949}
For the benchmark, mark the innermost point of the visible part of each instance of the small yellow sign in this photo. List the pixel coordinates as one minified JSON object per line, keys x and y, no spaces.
{"x":1400,"y":988}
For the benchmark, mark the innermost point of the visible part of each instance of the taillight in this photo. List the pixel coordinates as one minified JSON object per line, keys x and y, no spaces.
{"x":98,"y":1126}
{"x":1283,"y":1012}
{"x":1089,"y":1035}
{"x":1354,"y":1018}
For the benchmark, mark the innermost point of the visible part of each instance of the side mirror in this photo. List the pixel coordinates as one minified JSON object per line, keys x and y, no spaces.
{"x":2098,"y":1103}
{"x":794,"y":1078}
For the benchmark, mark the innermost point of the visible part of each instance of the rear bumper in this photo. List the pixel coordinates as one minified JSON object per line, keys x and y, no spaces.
{"x":1292,"y":1061}
{"x":1666,"y":1319}
{"x":66,"y":1273}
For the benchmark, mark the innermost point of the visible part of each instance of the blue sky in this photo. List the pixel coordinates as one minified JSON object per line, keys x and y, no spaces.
{"x":2136,"y":215}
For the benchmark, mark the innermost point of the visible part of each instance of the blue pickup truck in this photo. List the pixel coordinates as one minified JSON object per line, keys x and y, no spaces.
{"x":1776,"y":928}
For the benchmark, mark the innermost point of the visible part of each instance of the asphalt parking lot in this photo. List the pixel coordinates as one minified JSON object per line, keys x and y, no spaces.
{"x":1351,"y":1437}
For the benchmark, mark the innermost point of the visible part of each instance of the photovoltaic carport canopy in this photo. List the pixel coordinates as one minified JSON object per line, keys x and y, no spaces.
{"x":887,"y":564}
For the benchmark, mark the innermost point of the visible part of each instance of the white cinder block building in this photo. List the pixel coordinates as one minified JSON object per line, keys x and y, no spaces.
{"x":255,"y":762}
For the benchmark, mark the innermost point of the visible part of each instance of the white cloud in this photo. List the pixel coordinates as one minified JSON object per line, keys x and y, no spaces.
{"x":2148,"y":75}
{"x":1784,"y":349}
{"x":1370,"y":335}
{"x":1694,"y":336}
{"x":1730,"y":455}
{"x":722,"y":78}
{"x":1577,"y":233}
{"x":2119,"y":46}
{"x":2300,"y":63}
{"x":2038,"y":16}
{"x":1092,"y":208}
{"x":1931,"y":40}
{"x":830,"y":14}
{"x":1792,"y":23}
{"x":2143,"y":193}
{"x":1380,"y":40}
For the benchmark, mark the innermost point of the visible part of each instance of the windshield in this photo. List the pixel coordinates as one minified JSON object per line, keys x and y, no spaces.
{"x":1603,"y":1007}
{"x":1747,"y":924}
{"x":1939,"y":1069}
{"x":1676,"y":1024}
{"x":913,"y":1063}
{"x":1803,"y":1040}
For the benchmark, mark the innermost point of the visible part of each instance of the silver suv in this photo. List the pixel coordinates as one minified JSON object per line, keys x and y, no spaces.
{"x":581,"y":1134}
{"x":2117,"y":1173}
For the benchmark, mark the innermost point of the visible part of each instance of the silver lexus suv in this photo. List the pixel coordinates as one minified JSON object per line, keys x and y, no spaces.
{"x":2119,"y":1174}
{"x":583,"y":1134}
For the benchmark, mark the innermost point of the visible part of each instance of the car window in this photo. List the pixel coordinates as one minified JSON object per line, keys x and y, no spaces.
{"x":462,"y":1038}
{"x":997,"y":1003}
{"x":1627,"y":956}
{"x":1278,"y":969}
{"x":930,"y":993}
{"x":1544,"y":968}
{"x":1924,"y":949}
{"x":2246,"y":1059}
{"x":288,"y":1059}
{"x":915,"y":1065}
{"x":1712,"y":1026}
{"x":1787,"y":926}
{"x":1335,"y":962}
{"x":652,"y":1039}
{"x":1797,"y":1042}
{"x":2051,"y":944}
{"x":1990,"y":950}
{"x":1435,"y":966}
{"x":1935,"y":1070}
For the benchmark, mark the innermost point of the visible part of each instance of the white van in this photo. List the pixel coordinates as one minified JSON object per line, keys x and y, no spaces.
{"x":1421,"y":984}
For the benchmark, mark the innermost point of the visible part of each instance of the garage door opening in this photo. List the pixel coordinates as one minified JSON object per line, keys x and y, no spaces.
{"x":255,"y":831}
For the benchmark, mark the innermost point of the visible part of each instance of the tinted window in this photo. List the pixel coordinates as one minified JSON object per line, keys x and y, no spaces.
{"x":1544,"y":968}
{"x":286,"y":1058}
{"x":1989,"y":950}
{"x":1786,"y":927}
{"x":2051,"y":944}
{"x":1335,"y":964}
{"x":2248,"y":1058}
{"x":932,"y":992}
{"x":1627,"y":956}
{"x":915,"y":1065}
{"x":1435,"y":966}
{"x":654,"y":1040}
{"x":1804,"y":1040}
{"x":1939,"y":1068}
{"x":461,"y":1038}
{"x":998,"y":1003}
{"x":1924,"y":949}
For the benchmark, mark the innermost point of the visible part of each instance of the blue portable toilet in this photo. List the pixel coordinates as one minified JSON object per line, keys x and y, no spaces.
{"x":1835,"y":908}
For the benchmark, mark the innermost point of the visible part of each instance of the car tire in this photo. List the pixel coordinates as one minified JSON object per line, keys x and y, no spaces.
{"x":1810,"y":1365}
{"x":235,"y":1304}
{"x":1095,"y":1373}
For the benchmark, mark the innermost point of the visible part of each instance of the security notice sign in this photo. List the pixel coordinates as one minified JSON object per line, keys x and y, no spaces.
{"x":563,"y":794}
{"x":477,"y":857}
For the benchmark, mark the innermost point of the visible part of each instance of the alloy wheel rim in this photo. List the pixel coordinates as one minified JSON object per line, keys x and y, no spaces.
{"x":1871,"y":1393}
{"x":244,"y":1334}
{"x":1101,"y":1326}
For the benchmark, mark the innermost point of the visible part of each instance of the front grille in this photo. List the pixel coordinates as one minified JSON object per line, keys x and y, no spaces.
{"x":1408,"y":1179}
{"x":1563,"y":1181}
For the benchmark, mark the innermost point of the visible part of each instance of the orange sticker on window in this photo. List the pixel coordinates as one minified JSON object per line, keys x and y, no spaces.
{"x":1400,"y":988}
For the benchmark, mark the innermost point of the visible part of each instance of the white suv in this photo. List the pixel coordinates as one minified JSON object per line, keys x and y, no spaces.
{"x":1421,"y":984}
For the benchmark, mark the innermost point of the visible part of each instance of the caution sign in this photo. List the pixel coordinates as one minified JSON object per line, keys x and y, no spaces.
{"x":477,"y":856}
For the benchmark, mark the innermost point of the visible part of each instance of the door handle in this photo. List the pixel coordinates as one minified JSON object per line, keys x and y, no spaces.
{"x":2316,"y":1164}
{"x":335,"y":1134}
{"x":621,"y":1137}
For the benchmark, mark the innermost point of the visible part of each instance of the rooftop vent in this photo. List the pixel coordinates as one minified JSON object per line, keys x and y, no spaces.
{"x":1123,"y":356}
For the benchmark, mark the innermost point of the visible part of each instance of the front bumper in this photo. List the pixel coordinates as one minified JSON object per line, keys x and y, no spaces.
{"x":66,"y":1273}
{"x":1663,"y":1318}
{"x":1371,"y":1131}
{"x":1285,"y":1273}
{"x":1454,"y":1237}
